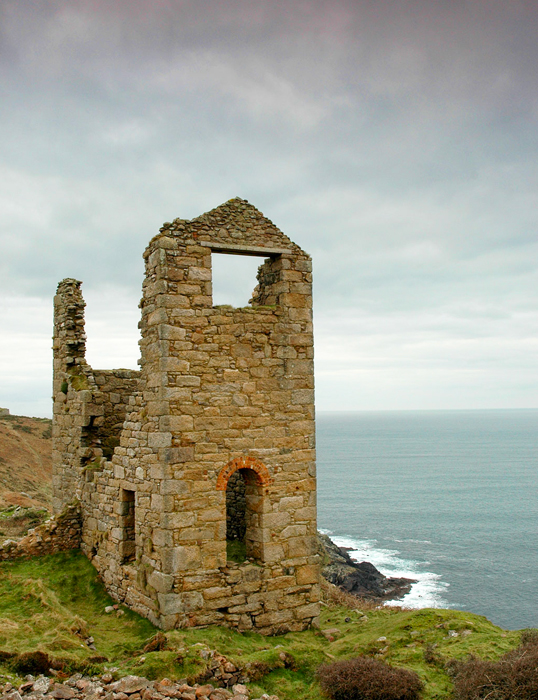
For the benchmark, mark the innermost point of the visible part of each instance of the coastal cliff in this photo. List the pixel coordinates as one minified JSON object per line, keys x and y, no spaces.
{"x":56,"y":606}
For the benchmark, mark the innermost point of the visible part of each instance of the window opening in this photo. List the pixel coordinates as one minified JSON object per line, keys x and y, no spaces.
{"x":234,"y":278}
{"x":244,"y":501}
{"x":128,"y":545}
{"x":236,"y":517}
{"x":112,"y":316}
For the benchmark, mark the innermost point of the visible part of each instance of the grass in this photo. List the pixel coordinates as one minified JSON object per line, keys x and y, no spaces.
{"x":54,"y":603}
{"x":236,"y":551}
{"x":37,"y":515}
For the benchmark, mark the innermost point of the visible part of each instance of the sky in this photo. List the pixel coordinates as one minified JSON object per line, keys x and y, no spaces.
{"x":393,"y":140}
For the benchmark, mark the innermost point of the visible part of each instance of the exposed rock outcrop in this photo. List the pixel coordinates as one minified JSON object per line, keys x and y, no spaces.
{"x":359,"y":578}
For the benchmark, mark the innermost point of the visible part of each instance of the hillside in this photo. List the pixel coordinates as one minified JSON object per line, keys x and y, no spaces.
{"x":25,"y":473}
{"x":57,"y":605}
{"x":25,"y":461}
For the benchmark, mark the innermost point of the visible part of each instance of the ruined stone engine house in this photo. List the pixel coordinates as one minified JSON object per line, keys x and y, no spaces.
{"x":210,"y":445}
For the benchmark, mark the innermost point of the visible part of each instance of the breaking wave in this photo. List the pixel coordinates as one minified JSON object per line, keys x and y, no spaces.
{"x":427,"y":592}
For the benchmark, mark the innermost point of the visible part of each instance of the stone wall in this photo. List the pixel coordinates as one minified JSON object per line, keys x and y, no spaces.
{"x":115,"y":390}
{"x":69,"y":365}
{"x":220,"y":390}
{"x":60,"y":533}
{"x":90,"y":406}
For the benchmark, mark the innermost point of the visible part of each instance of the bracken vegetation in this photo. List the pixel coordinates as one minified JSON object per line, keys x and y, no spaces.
{"x":364,"y":678}
{"x":513,"y":677}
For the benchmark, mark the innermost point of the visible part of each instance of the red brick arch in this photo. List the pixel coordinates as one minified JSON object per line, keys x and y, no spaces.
{"x":243,"y":462}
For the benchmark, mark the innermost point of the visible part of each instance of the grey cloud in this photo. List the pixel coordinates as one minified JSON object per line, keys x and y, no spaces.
{"x":395,"y":142}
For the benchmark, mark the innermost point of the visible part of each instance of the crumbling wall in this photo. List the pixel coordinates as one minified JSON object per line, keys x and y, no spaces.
{"x":266,"y":291}
{"x":71,"y":391}
{"x":90,"y":406}
{"x":58,"y":534}
{"x":116,"y":386}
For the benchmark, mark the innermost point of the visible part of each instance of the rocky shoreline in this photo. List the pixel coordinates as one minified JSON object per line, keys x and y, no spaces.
{"x":361,"y":579}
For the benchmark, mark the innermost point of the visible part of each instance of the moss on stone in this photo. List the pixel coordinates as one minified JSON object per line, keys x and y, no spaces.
{"x":95,"y":465}
{"x":79,"y":381}
{"x":236,"y":551}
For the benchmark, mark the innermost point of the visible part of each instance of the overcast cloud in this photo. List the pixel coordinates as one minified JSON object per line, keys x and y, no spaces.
{"x":394,"y":141}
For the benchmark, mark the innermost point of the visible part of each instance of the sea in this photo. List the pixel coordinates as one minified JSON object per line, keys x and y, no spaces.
{"x":449,"y":498}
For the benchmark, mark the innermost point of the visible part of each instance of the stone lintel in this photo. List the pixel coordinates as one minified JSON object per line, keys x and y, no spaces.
{"x":234,"y":249}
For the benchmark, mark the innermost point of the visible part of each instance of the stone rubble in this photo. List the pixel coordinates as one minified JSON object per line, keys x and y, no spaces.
{"x":58,"y":534}
{"x":80,"y":687}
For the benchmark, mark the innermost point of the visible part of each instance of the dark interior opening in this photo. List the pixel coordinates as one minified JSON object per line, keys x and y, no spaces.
{"x":244,"y":508}
{"x":236,"y":522}
{"x":128,"y":526}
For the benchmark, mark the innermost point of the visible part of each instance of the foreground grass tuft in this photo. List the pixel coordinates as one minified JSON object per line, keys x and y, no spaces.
{"x":54,"y":604}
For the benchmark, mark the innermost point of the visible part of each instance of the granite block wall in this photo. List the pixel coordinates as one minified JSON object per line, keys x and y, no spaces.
{"x":222,"y":395}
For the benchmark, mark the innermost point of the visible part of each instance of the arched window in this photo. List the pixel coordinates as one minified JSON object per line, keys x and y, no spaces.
{"x":244,"y":479}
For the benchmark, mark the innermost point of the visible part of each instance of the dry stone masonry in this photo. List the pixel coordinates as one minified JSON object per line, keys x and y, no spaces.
{"x":213,"y":439}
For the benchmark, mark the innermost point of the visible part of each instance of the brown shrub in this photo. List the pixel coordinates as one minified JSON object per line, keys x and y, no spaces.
{"x":94,"y":660}
{"x":432,"y":657}
{"x":332,"y":595}
{"x":34,"y":662}
{"x":288,"y":660}
{"x":363,"y":678}
{"x":513,"y":677}
{"x":256,"y":670}
{"x":529,"y":638}
{"x":156,"y":643}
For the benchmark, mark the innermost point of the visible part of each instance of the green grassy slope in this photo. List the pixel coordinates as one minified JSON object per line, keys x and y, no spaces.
{"x":53,"y":604}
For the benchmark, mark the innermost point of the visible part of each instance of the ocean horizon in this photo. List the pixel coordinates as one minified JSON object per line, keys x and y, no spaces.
{"x":449,"y":498}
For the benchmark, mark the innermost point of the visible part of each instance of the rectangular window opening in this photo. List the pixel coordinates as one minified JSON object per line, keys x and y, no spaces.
{"x":128,"y":545}
{"x":234,"y":278}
